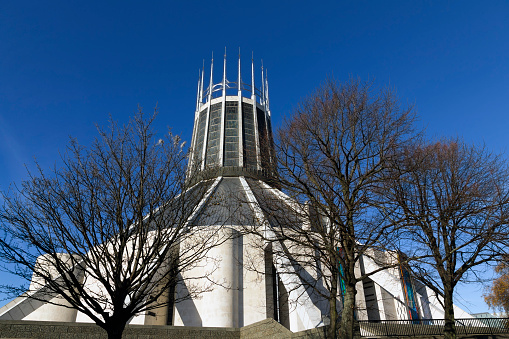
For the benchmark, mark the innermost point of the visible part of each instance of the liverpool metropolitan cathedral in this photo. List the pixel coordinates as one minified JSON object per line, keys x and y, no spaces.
{"x":232,"y":148}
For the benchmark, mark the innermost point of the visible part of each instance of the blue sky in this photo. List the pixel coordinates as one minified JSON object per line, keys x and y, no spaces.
{"x":66,"y":66}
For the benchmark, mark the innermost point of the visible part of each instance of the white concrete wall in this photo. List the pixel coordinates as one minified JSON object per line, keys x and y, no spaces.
{"x":30,"y":309}
{"x":217,"y":275}
{"x":43,"y":306}
{"x":254,"y":289}
{"x":49,"y":312}
{"x":235,"y":295}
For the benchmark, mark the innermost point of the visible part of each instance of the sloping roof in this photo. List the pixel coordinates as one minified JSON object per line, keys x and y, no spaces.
{"x":227,"y":205}
{"x":279,"y":209}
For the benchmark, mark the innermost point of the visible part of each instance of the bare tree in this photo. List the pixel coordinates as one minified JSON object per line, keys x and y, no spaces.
{"x":332,"y":155}
{"x":108,"y":232}
{"x":453,"y":199}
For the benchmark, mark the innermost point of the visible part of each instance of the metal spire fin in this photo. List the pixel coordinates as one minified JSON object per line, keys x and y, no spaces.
{"x":211,"y":84}
{"x":239,"y":80}
{"x":198,"y":92}
{"x":263,"y":87}
{"x":224,"y":73}
{"x":201,"y":87}
{"x":253,"y":92}
{"x":267,"y":89}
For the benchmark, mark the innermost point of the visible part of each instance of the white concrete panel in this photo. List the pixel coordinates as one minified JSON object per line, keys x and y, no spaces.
{"x":216,"y":274}
{"x":253,"y":285}
{"x":50,"y":312}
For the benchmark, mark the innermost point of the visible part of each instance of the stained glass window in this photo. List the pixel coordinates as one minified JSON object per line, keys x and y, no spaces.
{"x":249,"y":136}
{"x":202,"y":120}
{"x":231,"y":134}
{"x":214,"y":135}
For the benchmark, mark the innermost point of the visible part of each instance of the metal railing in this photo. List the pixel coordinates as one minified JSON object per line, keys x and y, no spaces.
{"x":383,"y":328}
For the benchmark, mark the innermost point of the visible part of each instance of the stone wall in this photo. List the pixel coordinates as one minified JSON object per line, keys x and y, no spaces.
{"x":266,"y":329}
{"x":45,"y":330}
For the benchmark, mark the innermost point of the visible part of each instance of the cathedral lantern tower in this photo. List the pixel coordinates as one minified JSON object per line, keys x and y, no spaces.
{"x":232,"y":132}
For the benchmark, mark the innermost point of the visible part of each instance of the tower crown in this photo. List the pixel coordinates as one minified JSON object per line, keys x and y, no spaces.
{"x":232,"y":132}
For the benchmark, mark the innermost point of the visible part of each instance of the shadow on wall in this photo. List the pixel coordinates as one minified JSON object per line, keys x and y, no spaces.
{"x":186,"y":308}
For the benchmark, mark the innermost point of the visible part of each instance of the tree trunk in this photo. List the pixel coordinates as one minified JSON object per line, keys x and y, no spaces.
{"x":333,"y":313}
{"x":115,"y":333}
{"x":450,"y":327}
{"x":115,"y":330}
{"x":332,"y":331}
{"x":346,"y":329}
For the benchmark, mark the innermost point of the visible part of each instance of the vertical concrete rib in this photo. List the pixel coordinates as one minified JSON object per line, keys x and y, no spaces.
{"x":255,"y":116}
{"x":223,"y":110}
{"x":207,"y":118}
{"x":240,"y":116}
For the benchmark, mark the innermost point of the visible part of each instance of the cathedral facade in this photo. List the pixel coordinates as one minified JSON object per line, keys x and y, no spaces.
{"x":232,"y":148}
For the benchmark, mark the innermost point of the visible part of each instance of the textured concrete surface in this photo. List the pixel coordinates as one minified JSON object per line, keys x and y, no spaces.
{"x":266,"y":329}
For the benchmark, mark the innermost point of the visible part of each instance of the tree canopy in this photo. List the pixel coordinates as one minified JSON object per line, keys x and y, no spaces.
{"x":107,"y":232}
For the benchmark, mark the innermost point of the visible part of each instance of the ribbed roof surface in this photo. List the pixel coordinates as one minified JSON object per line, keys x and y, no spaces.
{"x":227,"y":205}
{"x":275,"y":208}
